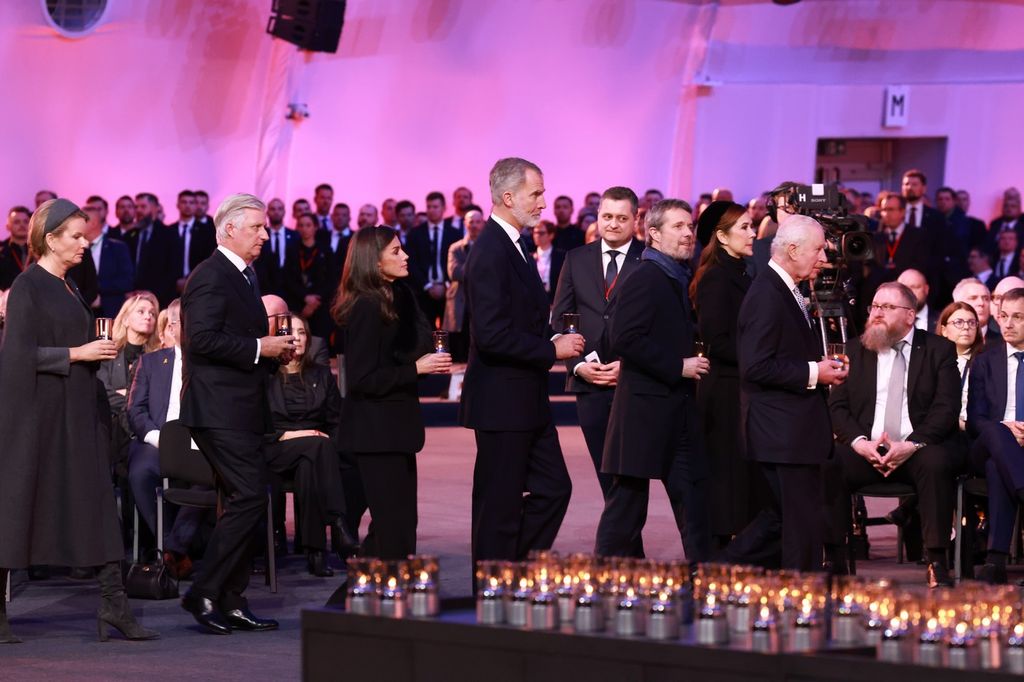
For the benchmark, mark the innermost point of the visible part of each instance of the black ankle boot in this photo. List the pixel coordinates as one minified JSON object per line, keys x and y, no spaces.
{"x":6,"y":636}
{"x":344,"y":543}
{"x":114,"y":609}
{"x":316,"y":561}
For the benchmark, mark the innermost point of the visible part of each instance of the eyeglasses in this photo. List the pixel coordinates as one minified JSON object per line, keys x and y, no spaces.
{"x":964,"y":324}
{"x":885,"y":307}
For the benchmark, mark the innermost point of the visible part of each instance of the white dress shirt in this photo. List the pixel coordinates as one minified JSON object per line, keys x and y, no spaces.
{"x":543,"y":258}
{"x":237,"y":261}
{"x":606,"y":259}
{"x":882,"y":373}
{"x":435,"y":233}
{"x":961,"y":366}
{"x":96,"y":250}
{"x":921,"y":321}
{"x":512,"y":233}
{"x":812,"y":379}
{"x":918,"y":212}
{"x":1010,"y":414}
{"x":278,"y":241}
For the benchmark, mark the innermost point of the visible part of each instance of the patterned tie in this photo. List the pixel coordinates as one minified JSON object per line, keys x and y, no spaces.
{"x":894,"y":399}
{"x":803,"y":305}
{"x":611,"y":273}
{"x":1019,"y":393}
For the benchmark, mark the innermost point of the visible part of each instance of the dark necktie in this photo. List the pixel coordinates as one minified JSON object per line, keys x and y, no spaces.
{"x":1019,"y":393}
{"x":433,"y":254}
{"x":611,"y":273}
{"x":323,"y":222}
{"x":912,"y":218}
{"x":525,"y":248}
{"x":250,"y":276}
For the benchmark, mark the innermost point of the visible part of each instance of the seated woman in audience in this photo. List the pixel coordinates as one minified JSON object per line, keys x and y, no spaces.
{"x":386,"y":343}
{"x":133,"y":333}
{"x":304,"y":401}
{"x":56,"y":502}
{"x":958,"y":322}
{"x":307,"y":277}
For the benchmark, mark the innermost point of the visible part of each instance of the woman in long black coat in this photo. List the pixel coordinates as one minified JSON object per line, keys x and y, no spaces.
{"x":386,"y":340}
{"x":56,"y":498}
{"x":718,"y":288}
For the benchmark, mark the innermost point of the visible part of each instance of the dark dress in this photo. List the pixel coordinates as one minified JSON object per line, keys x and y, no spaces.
{"x":734,"y":480}
{"x":56,"y":499}
{"x":307,"y":270}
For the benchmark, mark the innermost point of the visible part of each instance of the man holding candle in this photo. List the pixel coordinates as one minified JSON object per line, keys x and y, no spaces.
{"x":653,"y":432}
{"x":504,"y":396}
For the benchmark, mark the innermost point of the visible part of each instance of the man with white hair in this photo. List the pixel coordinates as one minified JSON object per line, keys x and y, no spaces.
{"x":229,"y":357}
{"x":970,"y":290}
{"x":783,"y":397}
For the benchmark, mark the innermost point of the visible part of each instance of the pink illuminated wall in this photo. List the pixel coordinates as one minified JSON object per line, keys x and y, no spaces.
{"x":426,"y":94}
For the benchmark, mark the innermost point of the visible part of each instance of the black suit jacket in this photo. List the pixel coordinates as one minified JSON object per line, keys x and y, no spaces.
{"x":986,"y":392}
{"x":320,"y":409}
{"x":933,"y":391}
{"x":150,"y":393}
{"x":223,"y":384}
{"x":201,"y":244}
{"x":155,"y":267}
{"x":581,"y":290}
{"x":417,"y":245}
{"x":115,"y":276}
{"x":650,"y":332}
{"x":12,"y":262}
{"x":381,"y":411}
{"x":505,"y":388}
{"x":557,"y":261}
{"x":569,"y":237}
{"x":784,"y":421}
{"x":269,"y":269}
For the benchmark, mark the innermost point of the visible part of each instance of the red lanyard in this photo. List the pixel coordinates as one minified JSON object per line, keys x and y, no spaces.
{"x":891,"y":247}
{"x":608,"y":289}
{"x":306,"y":264}
{"x":16,"y":252}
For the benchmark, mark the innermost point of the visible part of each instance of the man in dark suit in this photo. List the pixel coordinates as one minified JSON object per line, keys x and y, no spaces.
{"x":14,"y":257}
{"x":155,"y":399}
{"x":110,"y":257}
{"x":270,"y":265}
{"x":896,"y":417}
{"x":897,"y":247}
{"x":783,"y":399}
{"x":124,"y":211}
{"x":194,"y":241}
{"x":153,"y":247}
{"x":926,"y":316}
{"x":971,"y":291}
{"x":547,"y":257}
{"x":995,"y":418}
{"x":427,"y":246}
{"x":978,"y":229}
{"x":504,"y":395}
{"x":455,"y":322}
{"x":1009,"y":219}
{"x":945,"y":252}
{"x":589,"y":276}
{"x":653,"y":430}
{"x":228,"y":359}
{"x":567,"y":236}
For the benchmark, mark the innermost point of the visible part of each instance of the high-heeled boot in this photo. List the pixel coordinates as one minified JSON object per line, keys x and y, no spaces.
{"x":114,"y":609}
{"x":6,"y":637}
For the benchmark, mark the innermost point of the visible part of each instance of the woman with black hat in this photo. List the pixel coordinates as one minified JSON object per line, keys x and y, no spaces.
{"x":56,"y":497}
{"x":719,"y":285}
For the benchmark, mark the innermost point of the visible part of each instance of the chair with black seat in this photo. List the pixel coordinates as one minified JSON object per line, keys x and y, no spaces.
{"x":971,"y":486}
{"x":885,"y":489}
{"x":180,"y":462}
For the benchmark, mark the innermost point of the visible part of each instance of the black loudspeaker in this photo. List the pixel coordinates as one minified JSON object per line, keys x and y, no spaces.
{"x":313,"y":25}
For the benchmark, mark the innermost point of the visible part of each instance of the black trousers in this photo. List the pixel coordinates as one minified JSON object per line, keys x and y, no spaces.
{"x":593,"y":411}
{"x":997,"y":455}
{"x":625,"y":509}
{"x":389,"y":481}
{"x":931,"y":471}
{"x":506,"y":523}
{"x":239,"y":460}
{"x":317,"y":483}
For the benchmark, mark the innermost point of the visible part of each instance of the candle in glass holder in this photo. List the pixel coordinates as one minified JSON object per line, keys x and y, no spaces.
{"x":929,"y":651}
{"x":804,"y":633}
{"x":588,"y":614}
{"x":663,"y":618}
{"x":566,"y":595}
{"x":989,"y":650}
{"x":490,"y":603}
{"x":847,"y":629}
{"x":960,"y":648}
{"x":1014,"y":659}
{"x":361,"y":596}
{"x":543,"y":610}
{"x":741,"y":611}
{"x":874,"y":625}
{"x":711,"y":625}
{"x":104,"y":328}
{"x":570,"y":323}
{"x":392,"y":599}
{"x":892,"y":645}
{"x":518,"y":608}
{"x":763,"y":635}
{"x":423,"y":598}
{"x":628,"y":617}
{"x":440,"y":338}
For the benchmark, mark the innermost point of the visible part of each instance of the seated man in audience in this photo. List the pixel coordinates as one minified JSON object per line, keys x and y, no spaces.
{"x":1005,"y":284}
{"x":896,"y":418}
{"x":153,"y":401}
{"x":995,"y":417}
{"x":973,"y":292}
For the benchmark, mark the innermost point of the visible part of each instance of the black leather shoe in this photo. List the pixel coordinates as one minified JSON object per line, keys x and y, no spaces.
{"x":938,"y":576}
{"x":243,"y":619}
{"x":344,"y":543}
{"x":316,"y":562}
{"x":206,"y":614}
{"x":992,"y":574}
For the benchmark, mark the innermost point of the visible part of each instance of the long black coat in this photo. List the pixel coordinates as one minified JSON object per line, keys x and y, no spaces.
{"x":319,"y":411}
{"x":720,"y":294}
{"x":56,"y":498}
{"x":381,"y":411}
{"x":650,"y":332}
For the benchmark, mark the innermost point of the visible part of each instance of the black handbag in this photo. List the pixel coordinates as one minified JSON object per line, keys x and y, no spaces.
{"x":150,"y":581}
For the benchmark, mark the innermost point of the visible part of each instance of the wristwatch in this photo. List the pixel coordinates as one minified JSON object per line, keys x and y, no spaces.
{"x":917,"y":445}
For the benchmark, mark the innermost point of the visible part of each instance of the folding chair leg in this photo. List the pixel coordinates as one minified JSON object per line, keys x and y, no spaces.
{"x":135,"y":535}
{"x":160,"y":521}
{"x":959,"y":523}
{"x":271,"y":555}
{"x":899,"y":544}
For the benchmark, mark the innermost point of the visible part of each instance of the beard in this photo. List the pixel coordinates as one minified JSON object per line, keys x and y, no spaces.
{"x":880,"y":337}
{"x":523,"y":218}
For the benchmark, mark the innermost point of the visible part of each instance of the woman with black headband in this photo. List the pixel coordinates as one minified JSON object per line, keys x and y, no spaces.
{"x":56,"y":498}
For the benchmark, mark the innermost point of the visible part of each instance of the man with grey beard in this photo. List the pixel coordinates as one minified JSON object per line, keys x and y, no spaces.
{"x":896,"y":418}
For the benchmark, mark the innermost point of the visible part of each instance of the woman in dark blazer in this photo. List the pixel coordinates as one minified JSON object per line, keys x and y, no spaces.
{"x":307,"y":277}
{"x":719,"y":285}
{"x":386,"y":340}
{"x":304,"y":402}
{"x":56,"y":501}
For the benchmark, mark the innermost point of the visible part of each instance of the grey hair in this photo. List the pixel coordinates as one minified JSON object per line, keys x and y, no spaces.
{"x":963,"y":284}
{"x":794,"y":231}
{"x":231,"y":211}
{"x":655,"y":217}
{"x":906,"y":295}
{"x":176,"y":303}
{"x":508,"y":175}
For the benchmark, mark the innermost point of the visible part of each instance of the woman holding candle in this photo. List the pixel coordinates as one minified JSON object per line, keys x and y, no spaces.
{"x":56,"y":501}
{"x":304,"y":403}
{"x":386,"y":341}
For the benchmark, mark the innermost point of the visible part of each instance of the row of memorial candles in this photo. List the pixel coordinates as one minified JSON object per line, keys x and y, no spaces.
{"x":395,"y":589}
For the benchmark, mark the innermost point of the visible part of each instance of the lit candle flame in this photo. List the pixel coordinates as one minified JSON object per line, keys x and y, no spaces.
{"x":961,"y":628}
{"x":1018,"y":630}
{"x":392,"y":583}
{"x":362,"y":579}
{"x":494,"y":582}
{"x":933,"y":624}
{"x":765,"y":613}
{"x":424,"y":577}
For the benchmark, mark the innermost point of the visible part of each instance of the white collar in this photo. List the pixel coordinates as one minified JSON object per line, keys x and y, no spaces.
{"x":909,"y":338}
{"x":1010,"y":350}
{"x":512,"y":232}
{"x":235,"y":259}
{"x":787,"y":279}
{"x":606,"y":247}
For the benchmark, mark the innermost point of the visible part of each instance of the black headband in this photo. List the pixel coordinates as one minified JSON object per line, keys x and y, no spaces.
{"x":60,"y":210}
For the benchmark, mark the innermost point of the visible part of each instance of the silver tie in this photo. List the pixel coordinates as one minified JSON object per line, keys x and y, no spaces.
{"x":894,"y":398}
{"x":803,"y":305}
